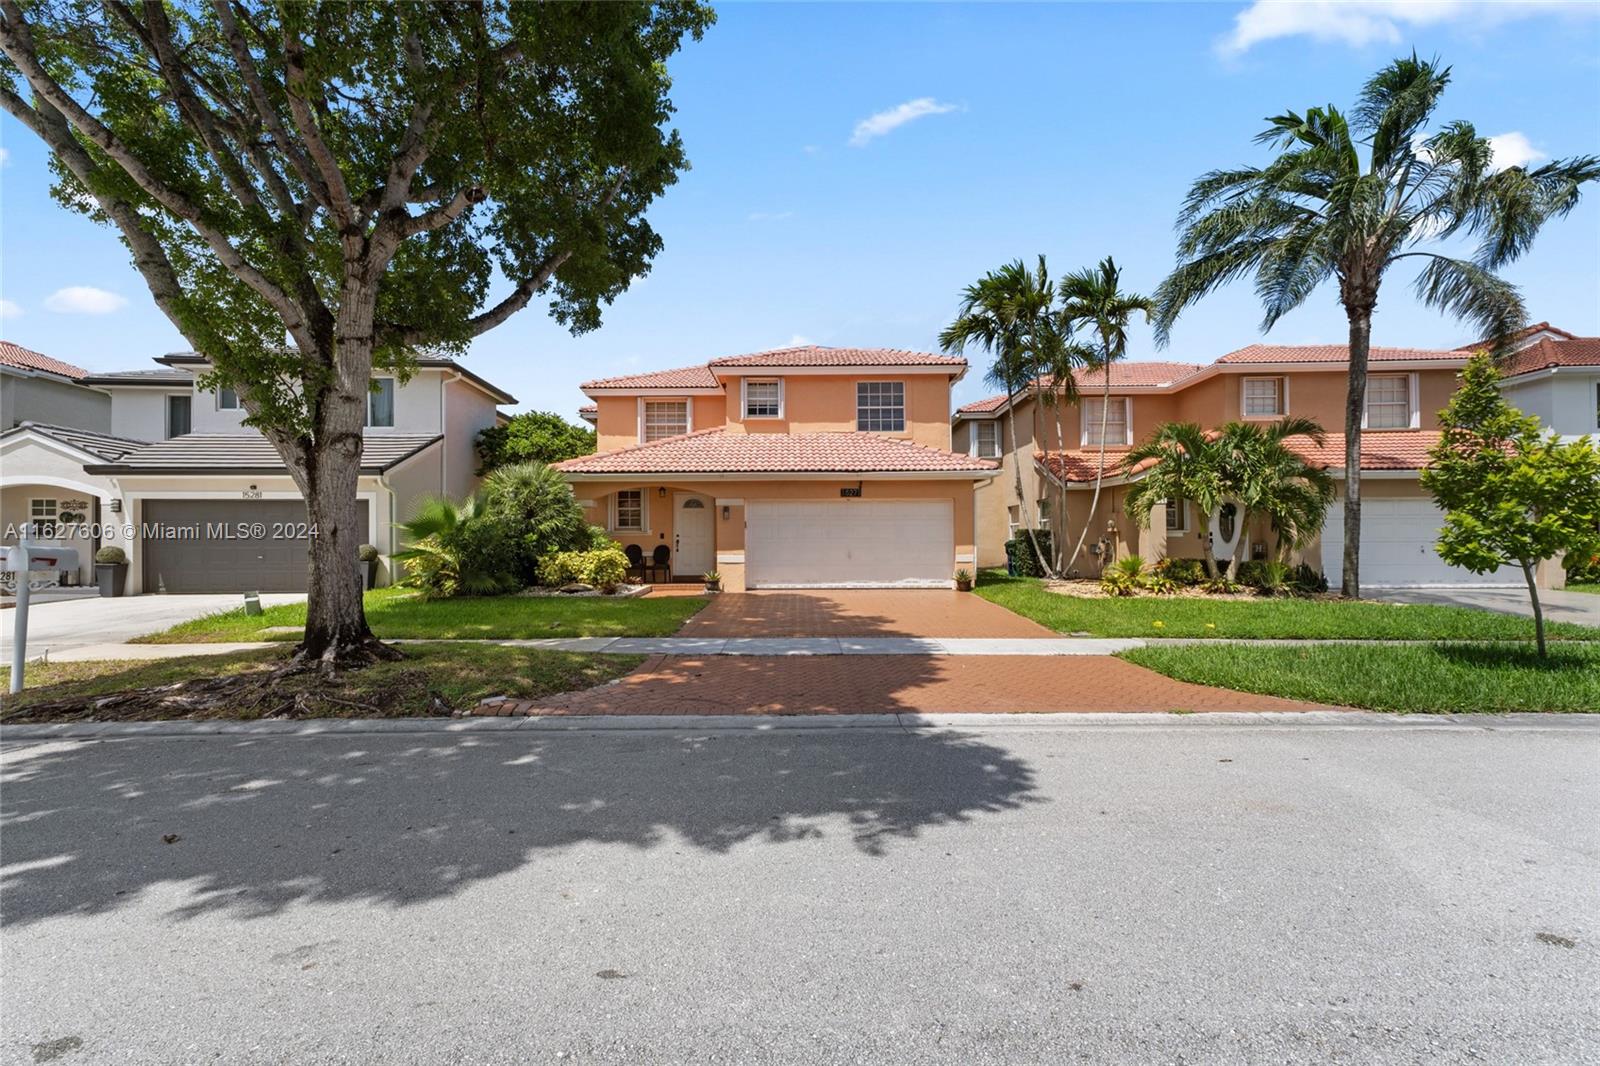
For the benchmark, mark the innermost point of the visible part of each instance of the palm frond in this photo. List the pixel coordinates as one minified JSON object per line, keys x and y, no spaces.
{"x":1467,"y":290}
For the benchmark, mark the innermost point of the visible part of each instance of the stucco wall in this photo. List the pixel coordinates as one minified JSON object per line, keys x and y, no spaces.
{"x":1564,"y":402}
{"x":40,"y":399}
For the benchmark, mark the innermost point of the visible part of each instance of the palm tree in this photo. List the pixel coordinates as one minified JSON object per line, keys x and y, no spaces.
{"x":1059,"y":357}
{"x":1093,"y":298}
{"x":1266,"y":476}
{"x":1315,"y":212}
{"x":447,"y":557}
{"x":1188,"y":465}
{"x":1006,"y":313}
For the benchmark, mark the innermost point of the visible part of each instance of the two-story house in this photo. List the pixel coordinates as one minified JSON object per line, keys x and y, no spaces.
{"x":201,"y":503}
{"x":800,"y":467}
{"x":1555,"y":376}
{"x":1407,"y":387}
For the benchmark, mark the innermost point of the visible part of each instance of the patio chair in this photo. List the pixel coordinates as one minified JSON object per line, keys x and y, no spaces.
{"x":661,"y":561}
{"x":635,"y":556}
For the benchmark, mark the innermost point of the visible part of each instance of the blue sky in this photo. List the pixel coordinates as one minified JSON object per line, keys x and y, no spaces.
{"x":1071,"y":130}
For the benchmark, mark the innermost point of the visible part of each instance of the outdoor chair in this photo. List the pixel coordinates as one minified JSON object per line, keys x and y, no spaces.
{"x":635,"y":556}
{"x":661,"y":561}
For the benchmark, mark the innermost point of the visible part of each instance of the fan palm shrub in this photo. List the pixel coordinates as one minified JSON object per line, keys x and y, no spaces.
{"x":456,"y":550}
{"x":533,"y":507}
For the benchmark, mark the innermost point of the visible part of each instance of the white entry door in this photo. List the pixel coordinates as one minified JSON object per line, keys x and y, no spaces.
{"x":693,"y":536}
{"x":849,"y":543}
{"x":1397,"y":538}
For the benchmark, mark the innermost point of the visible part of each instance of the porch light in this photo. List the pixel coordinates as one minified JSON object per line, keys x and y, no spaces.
{"x":661,"y":492}
{"x":726,"y":512}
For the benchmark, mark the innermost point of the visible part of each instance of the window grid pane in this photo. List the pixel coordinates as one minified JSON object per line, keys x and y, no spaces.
{"x":1174,"y":516}
{"x":761,"y":399}
{"x":1388,"y":402}
{"x":1116,"y":422}
{"x":881,"y":406}
{"x":42,"y":516}
{"x":663,"y":420}
{"x":1261,"y":397}
{"x":630,"y":511}
{"x":988,"y":440}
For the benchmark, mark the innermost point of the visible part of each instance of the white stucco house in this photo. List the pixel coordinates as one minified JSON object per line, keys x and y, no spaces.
{"x":1555,"y":375}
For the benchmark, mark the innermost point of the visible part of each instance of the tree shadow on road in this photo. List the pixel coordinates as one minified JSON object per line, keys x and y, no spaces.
{"x":249,"y":826}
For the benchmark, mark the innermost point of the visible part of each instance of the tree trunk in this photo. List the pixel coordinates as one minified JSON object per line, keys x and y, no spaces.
{"x":1099,"y":474}
{"x":1538,"y":609}
{"x":1058,"y":536}
{"x":1360,"y":317}
{"x":1022,"y":504}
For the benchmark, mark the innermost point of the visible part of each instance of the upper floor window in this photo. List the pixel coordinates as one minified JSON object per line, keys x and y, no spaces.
{"x":627,"y":515}
{"x":227,"y":399}
{"x":987,"y":437}
{"x":763,"y":399}
{"x":1265,"y":398}
{"x":665,"y":418}
{"x":1106,"y":422}
{"x":1389,"y":401}
{"x":178,"y":421}
{"x":881,"y":406}
{"x":380,"y":403}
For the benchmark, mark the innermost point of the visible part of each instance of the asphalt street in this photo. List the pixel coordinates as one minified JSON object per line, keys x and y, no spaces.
{"x":1165,"y":891}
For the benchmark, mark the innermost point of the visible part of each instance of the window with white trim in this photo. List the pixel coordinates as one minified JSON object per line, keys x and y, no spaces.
{"x":763,"y":398}
{"x":988,"y":440}
{"x":380,"y":402}
{"x":1044,"y":513}
{"x":1178,"y":516}
{"x":1389,"y":401}
{"x":665,"y":418}
{"x":628,"y":511}
{"x":881,"y":406}
{"x":1013,"y":519}
{"x":1112,"y":415}
{"x":42,"y":516}
{"x":227,"y":399}
{"x":1264,"y":398}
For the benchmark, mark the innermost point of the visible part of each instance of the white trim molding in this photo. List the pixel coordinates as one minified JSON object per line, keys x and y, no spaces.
{"x":730,"y":558}
{"x":1084,"y":418}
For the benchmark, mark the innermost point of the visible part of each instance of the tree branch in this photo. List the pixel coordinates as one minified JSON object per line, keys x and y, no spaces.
{"x":296,"y":84}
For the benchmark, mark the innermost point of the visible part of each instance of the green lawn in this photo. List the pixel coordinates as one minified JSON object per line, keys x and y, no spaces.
{"x":1593,"y":588}
{"x":433,"y":679}
{"x":1421,"y":679}
{"x":396,"y":613}
{"x":1281,"y":618}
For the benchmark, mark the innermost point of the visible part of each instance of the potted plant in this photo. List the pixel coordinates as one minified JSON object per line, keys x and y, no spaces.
{"x":713,"y":581}
{"x":963,"y":581}
{"x":369,"y":564}
{"x":111,"y":570}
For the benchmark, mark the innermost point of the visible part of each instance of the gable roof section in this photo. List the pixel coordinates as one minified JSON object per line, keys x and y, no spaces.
{"x":1521,"y":338}
{"x":1336,"y":353}
{"x":817,"y":355}
{"x":249,"y":453}
{"x":1548,"y":353}
{"x":1128,"y":374}
{"x":686,"y":377}
{"x":427,"y":362}
{"x":157,"y":378}
{"x":102,"y":445}
{"x":715,"y":451}
{"x":20,"y":358}
{"x":1399,"y":450}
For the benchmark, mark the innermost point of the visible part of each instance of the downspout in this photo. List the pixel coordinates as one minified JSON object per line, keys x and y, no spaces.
{"x":383,"y":483}
{"x":444,"y":442}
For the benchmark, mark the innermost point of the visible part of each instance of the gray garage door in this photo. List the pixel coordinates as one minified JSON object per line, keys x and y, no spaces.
{"x":226,"y":545}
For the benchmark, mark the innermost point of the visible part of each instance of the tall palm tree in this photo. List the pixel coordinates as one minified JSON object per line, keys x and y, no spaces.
{"x":1268,"y":477}
{"x":1006,"y":313}
{"x":1188,"y":465}
{"x":1316,"y":212}
{"x":1059,"y":358}
{"x":1093,"y":300}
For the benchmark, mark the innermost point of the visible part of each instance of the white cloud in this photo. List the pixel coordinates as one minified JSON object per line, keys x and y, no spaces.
{"x":768,"y":216}
{"x":10,"y":309}
{"x":5,"y":156}
{"x":1362,"y":22}
{"x":798,"y":341}
{"x":1513,"y":150}
{"x":84,"y":300}
{"x":895,"y":117}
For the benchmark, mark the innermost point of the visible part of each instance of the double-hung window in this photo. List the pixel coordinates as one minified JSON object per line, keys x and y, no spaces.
{"x":988,"y":439}
{"x":1264,"y":398}
{"x":1389,"y":401}
{"x":628,"y":516}
{"x":1105,"y":421}
{"x":665,"y":418}
{"x":763,"y":398}
{"x":881,"y":406}
{"x":380,"y":402}
{"x":1177,"y":516}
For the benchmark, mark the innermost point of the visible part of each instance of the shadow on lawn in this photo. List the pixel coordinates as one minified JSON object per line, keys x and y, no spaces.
{"x":256,"y":825}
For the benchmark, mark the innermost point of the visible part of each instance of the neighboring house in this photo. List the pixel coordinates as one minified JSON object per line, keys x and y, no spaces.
{"x":201,"y":502}
{"x":800,"y":467}
{"x":1407,"y":387}
{"x":1555,"y":375}
{"x":37,"y":388}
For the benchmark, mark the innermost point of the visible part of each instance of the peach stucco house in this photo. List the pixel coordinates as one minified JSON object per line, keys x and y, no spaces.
{"x":1407,"y":387}
{"x":800,"y":467}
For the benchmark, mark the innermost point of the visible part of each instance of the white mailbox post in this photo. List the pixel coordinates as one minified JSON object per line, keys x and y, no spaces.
{"x":22,"y":559}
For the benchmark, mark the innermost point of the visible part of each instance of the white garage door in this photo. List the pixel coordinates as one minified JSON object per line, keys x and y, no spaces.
{"x":1397,"y":538}
{"x":831,"y":544}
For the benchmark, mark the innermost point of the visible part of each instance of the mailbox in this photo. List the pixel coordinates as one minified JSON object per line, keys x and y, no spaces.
{"x":23,"y":559}
{"x":39,"y":557}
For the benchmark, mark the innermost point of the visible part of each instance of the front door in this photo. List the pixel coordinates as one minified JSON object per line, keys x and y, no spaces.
{"x":693,"y":536}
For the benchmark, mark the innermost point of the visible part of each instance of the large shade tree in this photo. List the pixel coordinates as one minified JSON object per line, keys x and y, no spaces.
{"x":1346,"y":198}
{"x":313,"y":190}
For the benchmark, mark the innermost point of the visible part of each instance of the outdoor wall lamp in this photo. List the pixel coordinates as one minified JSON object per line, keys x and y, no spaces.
{"x":727,"y":512}
{"x":661,"y":493}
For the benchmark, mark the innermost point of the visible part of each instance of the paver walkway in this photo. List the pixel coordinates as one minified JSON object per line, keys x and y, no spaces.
{"x":913,"y":684}
{"x":858,"y":613}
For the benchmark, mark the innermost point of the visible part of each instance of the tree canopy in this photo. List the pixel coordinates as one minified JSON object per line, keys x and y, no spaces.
{"x":533,"y":436}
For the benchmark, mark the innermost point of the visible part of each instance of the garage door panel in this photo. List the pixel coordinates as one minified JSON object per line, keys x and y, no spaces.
{"x":205,"y":553}
{"x":799,"y":544}
{"x":1397,"y":548}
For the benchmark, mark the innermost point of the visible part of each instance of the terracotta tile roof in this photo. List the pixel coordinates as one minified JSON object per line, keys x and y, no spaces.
{"x":715,"y":451}
{"x":1333,"y":353}
{"x":1578,"y":351}
{"x":28,"y":359}
{"x":1134,"y":374}
{"x":816,"y":355}
{"x":249,"y":453}
{"x":102,"y":444}
{"x":687,"y":377}
{"x":988,"y":403}
{"x":588,"y":409}
{"x":1405,"y":449}
{"x":1519,"y":336}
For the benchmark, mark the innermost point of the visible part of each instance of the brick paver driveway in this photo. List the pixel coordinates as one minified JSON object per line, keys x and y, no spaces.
{"x":858,"y":613}
{"x":879,"y":684}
